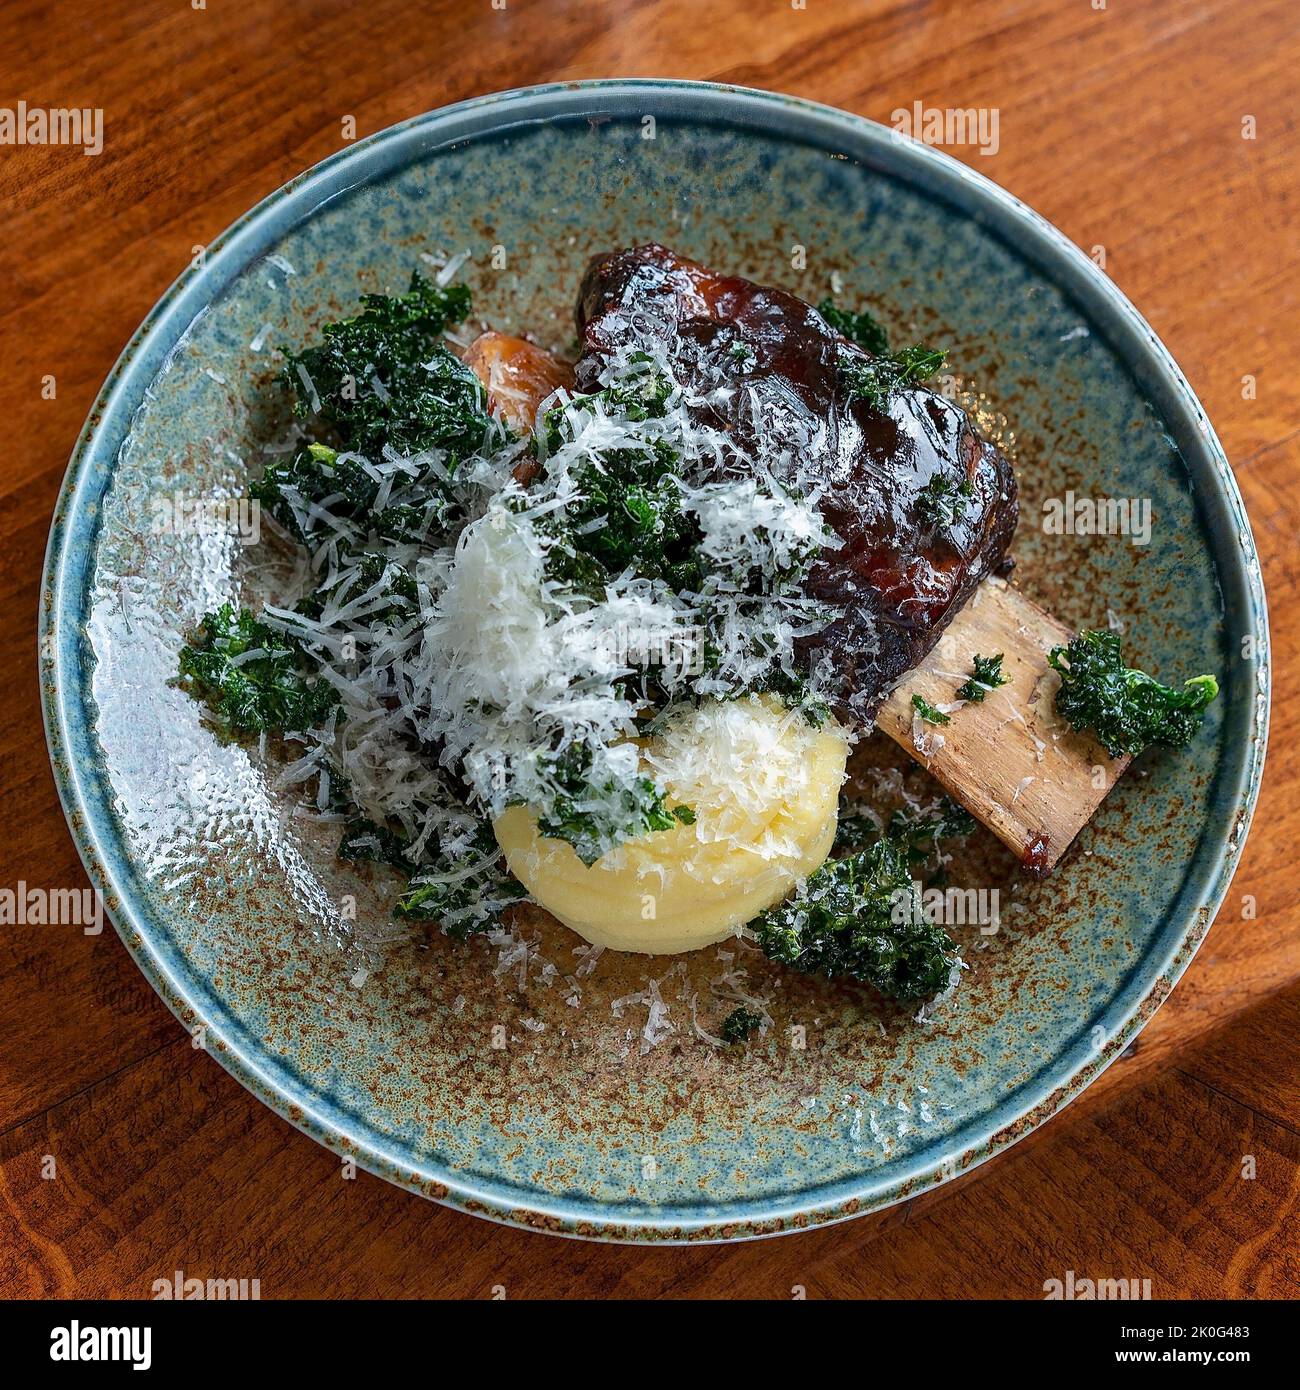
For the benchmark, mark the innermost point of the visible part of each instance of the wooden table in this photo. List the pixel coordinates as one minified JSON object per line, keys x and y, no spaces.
{"x":1124,"y":127}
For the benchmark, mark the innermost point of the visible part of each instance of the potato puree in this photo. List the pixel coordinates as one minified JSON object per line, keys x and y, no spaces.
{"x":764,"y":785}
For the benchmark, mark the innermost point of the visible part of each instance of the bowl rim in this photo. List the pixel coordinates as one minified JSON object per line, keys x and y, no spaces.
{"x":69,"y":719}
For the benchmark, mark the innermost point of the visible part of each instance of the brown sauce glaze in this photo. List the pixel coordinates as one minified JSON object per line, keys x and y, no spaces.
{"x":1037,"y":855}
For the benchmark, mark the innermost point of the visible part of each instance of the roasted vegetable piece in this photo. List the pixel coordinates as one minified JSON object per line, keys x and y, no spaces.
{"x":517,"y":375}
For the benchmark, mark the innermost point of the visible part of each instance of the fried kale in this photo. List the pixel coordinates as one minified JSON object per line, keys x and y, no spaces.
{"x":739,"y":1024}
{"x":594,"y":818}
{"x":859,"y":915}
{"x":918,"y":832}
{"x":860,"y":918}
{"x":986,"y":675}
{"x":382,"y":381}
{"x":942,"y":501}
{"x":1127,"y":710}
{"x":364,"y":842}
{"x":464,"y":892}
{"x":928,"y":712}
{"x":291,"y":490}
{"x":628,"y":512}
{"x":384,"y":376}
{"x":877,"y":381}
{"x":861,"y":328}
{"x":254,"y":678}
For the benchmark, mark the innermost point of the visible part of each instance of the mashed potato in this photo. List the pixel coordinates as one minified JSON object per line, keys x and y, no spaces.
{"x":764,"y":785}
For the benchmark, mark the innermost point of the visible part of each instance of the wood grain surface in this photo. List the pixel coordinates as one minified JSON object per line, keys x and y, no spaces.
{"x":1121,"y":124}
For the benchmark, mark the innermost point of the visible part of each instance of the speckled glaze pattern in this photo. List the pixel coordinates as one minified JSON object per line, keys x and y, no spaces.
{"x":241,"y":917}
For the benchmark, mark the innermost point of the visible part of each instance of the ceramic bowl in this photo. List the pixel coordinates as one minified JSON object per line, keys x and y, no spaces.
{"x":492,"y":1077}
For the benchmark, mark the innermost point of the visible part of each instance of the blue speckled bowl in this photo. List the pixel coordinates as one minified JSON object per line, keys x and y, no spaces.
{"x":239,"y":913}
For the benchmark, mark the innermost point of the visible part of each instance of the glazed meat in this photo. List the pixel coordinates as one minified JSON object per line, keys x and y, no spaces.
{"x":769,"y":370}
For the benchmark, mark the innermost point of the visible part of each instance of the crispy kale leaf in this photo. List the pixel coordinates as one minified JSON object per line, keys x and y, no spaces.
{"x":290,"y":488}
{"x":928,"y":712}
{"x":381,"y":378}
{"x":629,"y":509}
{"x":987,"y":675}
{"x":465,"y":892}
{"x":1127,"y":710}
{"x":399,"y":589}
{"x":739,"y":1024}
{"x":593,"y":819}
{"x":384,"y":376}
{"x":629,"y":515}
{"x":364,"y":842}
{"x":859,"y":917}
{"x":918,"y":832}
{"x":879,"y":380}
{"x":861,"y":328}
{"x":269,"y":692}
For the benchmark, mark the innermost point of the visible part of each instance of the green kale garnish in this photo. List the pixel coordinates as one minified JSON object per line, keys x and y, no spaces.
{"x":464,"y":907}
{"x":861,"y":328}
{"x":928,"y":712}
{"x":794,"y":692}
{"x":628,"y":509}
{"x":640,"y":395}
{"x":630,"y":515}
{"x":918,"y":832}
{"x":440,"y":887}
{"x":739,"y":1024}
{"x":942,"y":501}
{"x":463,"y":901}
{"x":290,"y":488}
{"x":1127,"y":710}
{"x":399,"y":589}
{"x":384,"y":376}
{"x":987,"y":675}
{"x":859,"y":917}
{"x":594,"y":818}
{"x":877,"y":381}
{"x":382,"y":381}
{"x":268,"y":692}
{"x":854,"y":830}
